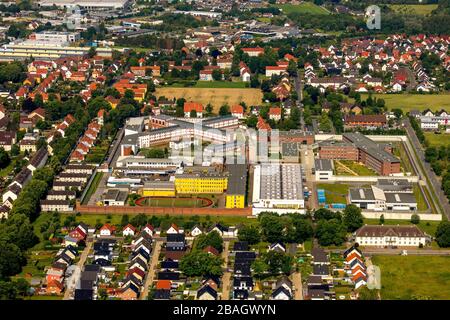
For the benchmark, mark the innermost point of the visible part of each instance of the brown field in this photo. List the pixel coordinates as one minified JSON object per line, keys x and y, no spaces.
{"x":216,"y":96}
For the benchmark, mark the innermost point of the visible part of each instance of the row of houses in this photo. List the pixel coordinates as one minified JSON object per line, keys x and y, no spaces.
{"x":13,"y":190}
{"x":58,"y":272}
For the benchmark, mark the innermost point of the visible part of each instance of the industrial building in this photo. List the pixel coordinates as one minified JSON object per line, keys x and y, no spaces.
{"x":237,"y":186}
{"x":278,"y":187}
{"x":376,"y":199}
{"x":323,"y":169}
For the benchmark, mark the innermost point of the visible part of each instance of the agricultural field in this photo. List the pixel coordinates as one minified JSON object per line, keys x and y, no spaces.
{"x":421,"y":102}
{"x":419,"y":9}
{"x":437,"y":140}
{"x":215,"y":96}
{"x":414,"y":277}
{"x":305,"y":7}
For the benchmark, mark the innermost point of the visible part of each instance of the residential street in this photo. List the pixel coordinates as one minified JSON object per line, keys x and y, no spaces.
{"x":396,"y":252}
{"x":297,"y":282}
{"x":151,"y":270}
{"x":76,"y":275}
{"x":227,"y":275}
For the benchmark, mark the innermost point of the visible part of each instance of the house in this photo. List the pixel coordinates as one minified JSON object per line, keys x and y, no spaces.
{"x":320,"y":257}
{"x":128,"y":230}
{"x":253,"y":52}
{"x":206,"y":293}
{"x":275,"y":114}
{"x":243,"y":283}
{"x":149,"y":229}
{"x":54,"y":287}
{"x":193,"y":108}
{"x":211,"y":250}
{"x":386,"y":236}
{"x":275,"y":70}
{"x":174,"y":229}
{"x":129,"y":292}
{"x":107,"y":230}
{"x":196,"y":231}
{"x":237,"y":111}
{"x":277,"y":247}
{"x":7,"y":139}
{"x":225,"y":232}
{"x":281,"y":293}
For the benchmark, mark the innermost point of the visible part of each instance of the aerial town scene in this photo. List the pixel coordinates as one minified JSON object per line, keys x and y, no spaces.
{"x":224,"y":150}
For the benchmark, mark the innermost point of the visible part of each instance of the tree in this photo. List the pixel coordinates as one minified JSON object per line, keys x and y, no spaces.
{"x":249,"y":234}
{"x":212,"y":239}
{"x":443,"y":234}
{"x":199,"y":263}
{"x":326,"y":214}
{"x":193,"y":113}
{"x":278,"y":262}
{"x":330,"y":232}
{"x":272,"y":228}
{"x":139,"y":221}
{"x":325,"y":123}
{"x":11,"y":260}
{"x":124,"y":221}
{"x":353,"y":218}
{"x":382,"y":219}
{"x":224,"y":110}
{"x":260,"y":268}
{"x":4,"y":158}
{"x":217,"y":74}
{"x":415,"y":219}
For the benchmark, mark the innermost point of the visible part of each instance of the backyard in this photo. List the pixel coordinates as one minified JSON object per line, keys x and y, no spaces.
{"x":414,"y":277}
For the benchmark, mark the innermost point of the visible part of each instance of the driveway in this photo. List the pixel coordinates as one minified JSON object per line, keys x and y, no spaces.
{"x":73,"y":281}
{"x":151,"y":270}
{"x":227,"y":275}
{"x":297,"y":282}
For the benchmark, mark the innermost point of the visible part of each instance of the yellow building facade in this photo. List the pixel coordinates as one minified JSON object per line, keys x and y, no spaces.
{"x":235,"y":201}
{"x":200,"y":184}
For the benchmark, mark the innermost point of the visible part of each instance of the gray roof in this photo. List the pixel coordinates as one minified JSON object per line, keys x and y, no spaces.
{"x":281,"y":181}
{"x":361,"y":194}
{"x":290,"y":149}
{"x":323,"y":165}
{"x":400,"y":198}
{"x":369,"y":146}
{"x":237,"y":178}
{"x":116,"y":195}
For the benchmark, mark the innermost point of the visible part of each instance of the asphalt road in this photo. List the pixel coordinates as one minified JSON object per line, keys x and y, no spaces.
{"x":151,"y":270}
{"x":434,"y":181}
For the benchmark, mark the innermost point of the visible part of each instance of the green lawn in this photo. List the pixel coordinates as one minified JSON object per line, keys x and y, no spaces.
{"x":335,"y":193}
{"x":36,"y":263}
{"x":93,"y":187}
{"x":358,"y":168}
{"x":408,"y":101}
{"x":173,"y":202}
{"x":421,"y":203}
{"x":437,"y":140}
{"x":400,"y":152}
{"x":414,"y":277}
{"x":7,"y":170}
{"x":420,"y":9}
{"x":304,"y":7}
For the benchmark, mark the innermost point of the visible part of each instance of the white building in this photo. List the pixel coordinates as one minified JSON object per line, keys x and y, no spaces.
{"x":375,"y":199}
{"x":56,"y":37}
{"x":268,"y":193}
{"x":324,"y":169}
{"x":382,"y":236}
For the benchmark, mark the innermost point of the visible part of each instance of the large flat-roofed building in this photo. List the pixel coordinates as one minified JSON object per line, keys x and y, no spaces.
{"x":159,"y":189}
{"x":56,"y":37}
{"x":338,"y":151}
{"x":237,"y":183}
{"x":303,"y":137}
{"x":140,"y":165}
{"x":373,"y":155}
{"x":290,"y":152}
{"x":174,"y":129}
{"x":382,"y":236}
{"x":89,"y":5}
{"x":44,"y":50}
{"x":278,"y":186}
{"x":376,"y":199}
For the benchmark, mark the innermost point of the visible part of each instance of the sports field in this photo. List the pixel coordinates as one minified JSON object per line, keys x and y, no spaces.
{"x":414,"y":277}
{"x":408,"y":102}
{"x":305,"y":7}
{"x":420,"y":9}
{"x":173,"y":202}
{"x":215,"y":96}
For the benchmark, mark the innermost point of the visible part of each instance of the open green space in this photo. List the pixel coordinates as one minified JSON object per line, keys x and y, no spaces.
{"x":173,"y":202}
{"x":304,"y":7}
{"x":421,"y":203}
{"x":36,"y":263}
{"x":407,"y":9}
{"x":358,"y":168}
{"x":414,"y":277}
{"x":93,"y":187}
{"x":7,"y":170}
{"x":409,"y":101}
{"x":335,"y":193}
{"x":400,"y":152}
{"x":437,"y":140}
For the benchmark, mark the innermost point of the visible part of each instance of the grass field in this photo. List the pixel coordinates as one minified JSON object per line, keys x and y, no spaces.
{"x":173,"y":202}
{"x":414,"y":277}
{"x":420,"y":9}
{"x":216,"y":96}
{"x":334,"y":193}
{"x":408,"y":102}
{"x":93,"y":187}
{"x":221,"y":84}
{"x":305,"y":7}
{"x":356,"y":167}
{"x":437,"y":140}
